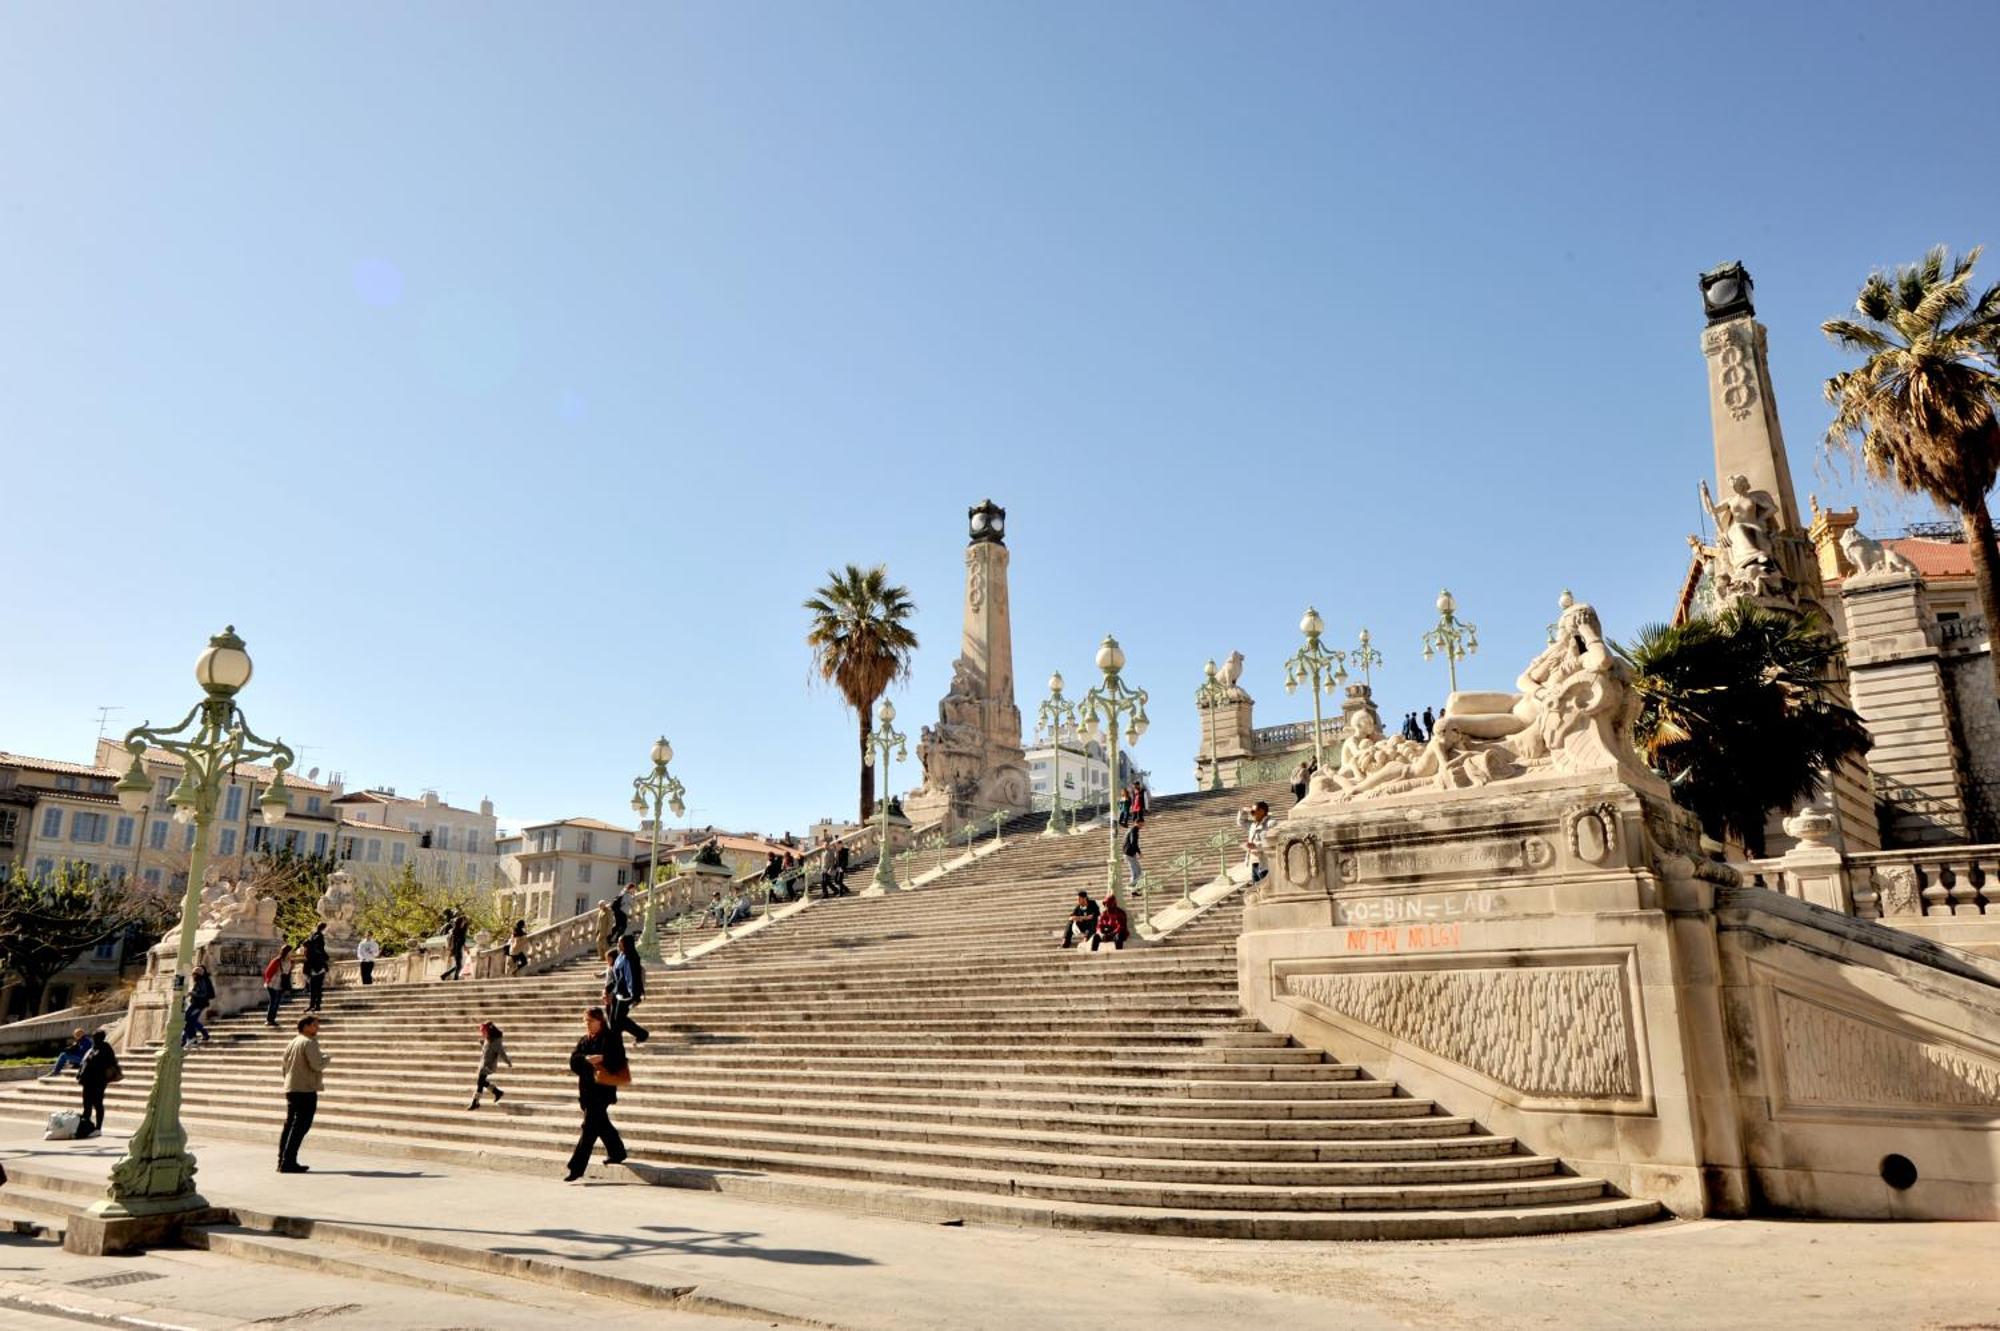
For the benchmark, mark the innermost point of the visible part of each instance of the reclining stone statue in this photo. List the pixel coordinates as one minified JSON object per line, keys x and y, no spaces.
{"x":1573,"y":713}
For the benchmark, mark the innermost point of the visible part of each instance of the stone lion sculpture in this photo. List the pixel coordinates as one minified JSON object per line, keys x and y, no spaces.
{"x":1870,"y":557}
{"x":1573,"y":713}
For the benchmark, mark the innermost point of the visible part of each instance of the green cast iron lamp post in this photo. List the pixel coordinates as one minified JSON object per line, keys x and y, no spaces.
{"x":1318,"y":666}
{"x":1210,"y":695}
{"x":1057,"y":714}
{"x":156,"y":1175}
{"x":665,"y":790}
{"x":1453,"y":638}
{"x":1365,"y":658}
{"x":892,"y":747}
{"x":1113,"y":700}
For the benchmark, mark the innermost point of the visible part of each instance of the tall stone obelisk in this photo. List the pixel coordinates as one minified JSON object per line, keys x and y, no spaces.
{"x":974,"y":765}
{"x":1763,"y":552}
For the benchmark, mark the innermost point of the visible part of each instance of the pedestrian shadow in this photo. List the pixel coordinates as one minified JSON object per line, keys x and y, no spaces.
{"x":666,"y":1241}
{"x":374,"y":1173}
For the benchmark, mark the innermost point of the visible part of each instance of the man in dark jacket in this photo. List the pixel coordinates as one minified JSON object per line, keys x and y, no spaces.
{"x":100,"y":1068}
{"x":1082,"y":921}
{"x":600,"y":1050}
{"x":315,"y":965}
{"x":454,"y":937}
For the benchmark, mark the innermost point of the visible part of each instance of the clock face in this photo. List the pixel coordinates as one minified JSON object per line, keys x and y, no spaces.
{"x":980,"y":523}
{"x":1725,"y":292}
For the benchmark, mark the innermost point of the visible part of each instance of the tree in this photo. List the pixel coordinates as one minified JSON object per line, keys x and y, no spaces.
{"x":861,"y":645}
{"x":1735,"y":712}
{"x":45,"y":921}
{"x":403,"y":911}
{"x":294,"y":879}
{"x":1919,"y":409}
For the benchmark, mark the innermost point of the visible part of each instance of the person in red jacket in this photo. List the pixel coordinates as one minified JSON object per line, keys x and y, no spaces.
{"x":1112,"y":926}
{"x":275,"y":971}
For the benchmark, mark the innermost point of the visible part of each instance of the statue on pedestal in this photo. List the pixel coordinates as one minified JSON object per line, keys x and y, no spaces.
{"x":1573,"y":714}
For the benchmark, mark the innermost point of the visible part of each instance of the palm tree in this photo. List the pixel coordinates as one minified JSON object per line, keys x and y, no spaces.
{"x":1919,"y":409}
{"x":861,"y":645}
{"x":1734,"y":711}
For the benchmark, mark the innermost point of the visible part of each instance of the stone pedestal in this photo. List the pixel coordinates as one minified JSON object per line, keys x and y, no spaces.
{"x":235,"y":952}
{"x":1227,"y":739}
{"x":1533,"y":954}
{"x":974,"y":764}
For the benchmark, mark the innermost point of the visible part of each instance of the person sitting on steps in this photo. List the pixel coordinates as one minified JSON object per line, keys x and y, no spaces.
{"x":1112,"y":926}
{"x":1082,"y":921}
{"x":72,"y":1054}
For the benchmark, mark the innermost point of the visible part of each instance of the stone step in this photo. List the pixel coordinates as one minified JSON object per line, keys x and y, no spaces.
{"x":678,"y":1141}
{"x":1137,"y":1103}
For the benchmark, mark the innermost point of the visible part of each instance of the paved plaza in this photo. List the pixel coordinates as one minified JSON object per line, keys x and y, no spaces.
{"x":799,"y":1266}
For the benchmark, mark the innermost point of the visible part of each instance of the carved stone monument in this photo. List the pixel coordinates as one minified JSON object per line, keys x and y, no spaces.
{"x":236,"y":932}
{"x":974,"y":765}
{"x":1763,"y":552}
{"x":1516,"y":921}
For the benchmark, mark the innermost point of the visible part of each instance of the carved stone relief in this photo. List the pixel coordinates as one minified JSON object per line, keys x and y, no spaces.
{"x":1592,"y":832}
{"x":1543,"y":1030}
{"x":1898,"y":886}
{"x":1831,"y":1058}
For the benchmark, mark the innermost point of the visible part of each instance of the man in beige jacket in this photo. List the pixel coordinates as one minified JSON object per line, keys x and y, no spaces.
{"x":305,"y":1077}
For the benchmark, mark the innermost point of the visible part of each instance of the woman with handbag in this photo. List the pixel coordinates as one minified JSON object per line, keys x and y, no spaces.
{"x":600,"y":1067}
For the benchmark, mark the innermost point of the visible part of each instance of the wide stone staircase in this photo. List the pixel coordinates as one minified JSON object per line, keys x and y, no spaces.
{"x":933,"y":1054}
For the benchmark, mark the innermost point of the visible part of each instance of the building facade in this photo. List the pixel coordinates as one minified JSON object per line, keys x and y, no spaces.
{"x":446,"y":845}
{"x":564,"y":868}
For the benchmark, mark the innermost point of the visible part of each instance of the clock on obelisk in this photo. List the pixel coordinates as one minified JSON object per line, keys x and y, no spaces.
{"x":974,"y":765}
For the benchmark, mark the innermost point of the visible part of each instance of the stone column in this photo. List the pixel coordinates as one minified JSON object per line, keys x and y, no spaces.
{"x":1749,"y":443}
{"x":974,"y":764}
{"x":1896,"y":672}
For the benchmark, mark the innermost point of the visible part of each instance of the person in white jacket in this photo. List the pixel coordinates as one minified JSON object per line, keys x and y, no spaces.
{"x":1255,"y":822}
{"x":368,"y":952}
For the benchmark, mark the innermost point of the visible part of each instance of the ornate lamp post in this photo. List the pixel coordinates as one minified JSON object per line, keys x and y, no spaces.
{"x":1210,"y":695}
{"x":156,"y":1175}
{"x":665,"y":789}
{"x":885,"y":741}
{"x":1365,"y":658}
{"x":1318,"y":666}
{"x":1057,"y":714}
{"x":1453,"y":638}
{"x":1113,"y":700}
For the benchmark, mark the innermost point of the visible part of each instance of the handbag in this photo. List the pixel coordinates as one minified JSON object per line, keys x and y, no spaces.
{"x":605,"y":1077}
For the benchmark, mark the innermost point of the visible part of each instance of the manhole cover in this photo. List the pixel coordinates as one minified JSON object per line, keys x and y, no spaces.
{"x":122,"y":1278}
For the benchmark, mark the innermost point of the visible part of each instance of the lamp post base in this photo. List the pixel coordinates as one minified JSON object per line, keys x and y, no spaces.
{"x":883,"y":883}
{"x":112,"y":1226}
{"x":649,"y":943}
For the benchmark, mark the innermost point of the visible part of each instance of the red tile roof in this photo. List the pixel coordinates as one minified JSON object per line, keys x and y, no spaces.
{"x":52,"y":765}
{"x":1935,"y":559}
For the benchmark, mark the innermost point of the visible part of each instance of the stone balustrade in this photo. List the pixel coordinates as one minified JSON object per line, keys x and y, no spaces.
{"x":1295,"y":735}
{"x":1964,"y":634}
{"x":1950,"y":881}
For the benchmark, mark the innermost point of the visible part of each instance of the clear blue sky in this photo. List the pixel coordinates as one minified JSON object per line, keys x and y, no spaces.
{"x":519,"y":368}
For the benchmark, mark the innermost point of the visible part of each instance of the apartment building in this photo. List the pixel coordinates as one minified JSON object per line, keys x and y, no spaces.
{"x":565,"y":868}
{"x":448,"y":845}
